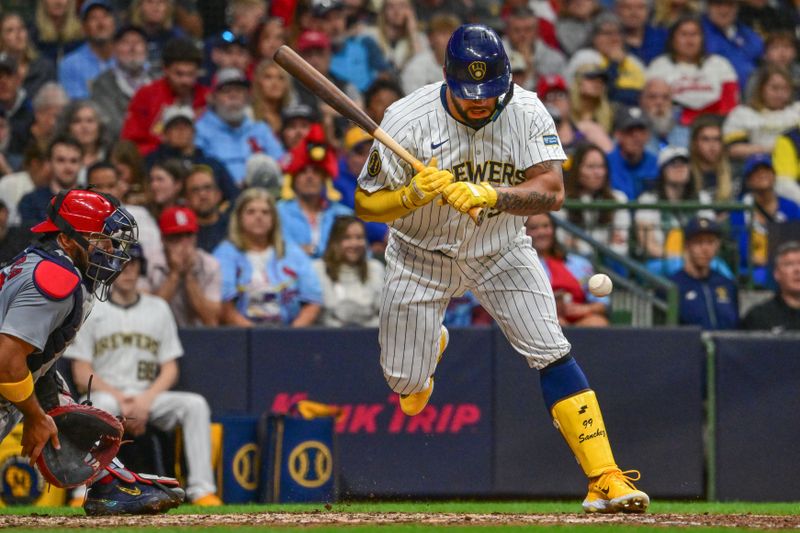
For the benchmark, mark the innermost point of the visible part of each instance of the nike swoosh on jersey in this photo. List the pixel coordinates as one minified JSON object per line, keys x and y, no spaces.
{"x":434,"y":146}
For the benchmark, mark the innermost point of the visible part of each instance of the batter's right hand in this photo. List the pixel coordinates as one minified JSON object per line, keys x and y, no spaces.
{"x":427,"y":184}
{"x":35,"y":434}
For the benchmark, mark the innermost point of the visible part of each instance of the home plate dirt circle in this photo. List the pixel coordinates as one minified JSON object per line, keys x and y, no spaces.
{"x":444,"y":519}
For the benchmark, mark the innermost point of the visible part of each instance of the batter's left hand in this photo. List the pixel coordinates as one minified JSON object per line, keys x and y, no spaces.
{"x":463,"y":196}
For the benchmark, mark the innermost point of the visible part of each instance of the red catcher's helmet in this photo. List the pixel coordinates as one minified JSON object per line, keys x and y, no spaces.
{"x":85,"y":211}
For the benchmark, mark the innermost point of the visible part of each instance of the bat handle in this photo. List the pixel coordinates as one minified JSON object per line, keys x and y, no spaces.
{"x":477,"y":214}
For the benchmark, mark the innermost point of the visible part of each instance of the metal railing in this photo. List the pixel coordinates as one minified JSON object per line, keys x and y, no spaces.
{"x":641,"y":297}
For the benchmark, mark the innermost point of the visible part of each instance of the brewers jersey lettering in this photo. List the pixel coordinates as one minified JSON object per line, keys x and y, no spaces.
{"x":436,"y":253}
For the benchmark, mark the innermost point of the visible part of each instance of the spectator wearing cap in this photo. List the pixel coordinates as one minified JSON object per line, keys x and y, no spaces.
{"x":113,"y":89}
{"x":730,"y":38}
{"x":701,"y":82}
{"x":57,"y":29}
{"x":781,"y":313}
{"x":310,"y":202}
{"x":315,"y":47}
{"x":296,"y":121}
{"x":706,"y":298}
{"x":157,"y":19}
{"x":606,"y":49}
{"x":15,"y":105}
{"x":34,"y":174}
{"x":190,"y":279}
{"x":227,"y":133}
{"x":633,"y":168}
{"x":357,"y":58}
{"x":263,"y":171}
{"x":80,"y":67}
{"x":641,"y":38}
{"x":660,"y":233}
{"x":181,"y":65}
{"x":752,"y":230}
{"x":178,"y":142}
{"x":662,"y":116}
{"x":64,"y":156}
{"x":12,"y":239}
{"x":228,"y":51}
{"x":35,"y":69}
{"x":426,"y":66}
{"x":203,"y":196}
{"x":522,"y":36}
{"x":48,"y":104}
{"x":553,"y":92}
{"x":357,"y":144}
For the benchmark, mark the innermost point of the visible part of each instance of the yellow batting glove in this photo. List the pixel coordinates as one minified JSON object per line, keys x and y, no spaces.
{"x":425,"y":186}
{"x":463,"y":196}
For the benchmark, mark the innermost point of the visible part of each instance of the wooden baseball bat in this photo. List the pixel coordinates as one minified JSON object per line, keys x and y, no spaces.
{"x":325,"y":89}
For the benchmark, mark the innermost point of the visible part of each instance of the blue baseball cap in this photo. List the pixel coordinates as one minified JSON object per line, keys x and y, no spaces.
{"x":756,"y":161}
{"x":91,"y":4}
{"x":700,"y":225}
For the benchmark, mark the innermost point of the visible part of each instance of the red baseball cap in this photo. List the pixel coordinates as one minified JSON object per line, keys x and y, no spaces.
{"x":178,"y":219}
{"x":548,"y":83}
{"x":311,"y":39}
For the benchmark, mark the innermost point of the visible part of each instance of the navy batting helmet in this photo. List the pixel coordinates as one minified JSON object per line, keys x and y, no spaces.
{"x":476,"y":65}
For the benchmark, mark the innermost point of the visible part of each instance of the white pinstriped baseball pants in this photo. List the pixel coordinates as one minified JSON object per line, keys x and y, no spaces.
{"x":511,"y":285}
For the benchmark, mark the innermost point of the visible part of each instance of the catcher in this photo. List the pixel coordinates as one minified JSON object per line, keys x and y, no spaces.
{"x":46,"y":293}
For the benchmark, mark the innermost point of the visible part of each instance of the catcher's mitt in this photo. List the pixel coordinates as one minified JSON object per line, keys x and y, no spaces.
{"x":90,"y":439}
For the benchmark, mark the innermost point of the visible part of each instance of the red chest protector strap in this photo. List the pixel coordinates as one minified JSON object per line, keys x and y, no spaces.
{"x":55,"y":281}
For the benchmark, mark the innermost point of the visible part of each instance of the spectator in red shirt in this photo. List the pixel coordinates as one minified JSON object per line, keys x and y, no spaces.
{"x":178,"y":86}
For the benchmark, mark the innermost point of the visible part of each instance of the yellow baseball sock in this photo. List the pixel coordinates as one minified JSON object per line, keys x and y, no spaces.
{"x":580,"y":422}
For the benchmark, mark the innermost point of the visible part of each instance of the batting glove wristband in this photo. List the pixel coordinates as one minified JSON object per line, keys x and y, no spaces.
{"x":463,"y":196}
{"x":425,"y":186}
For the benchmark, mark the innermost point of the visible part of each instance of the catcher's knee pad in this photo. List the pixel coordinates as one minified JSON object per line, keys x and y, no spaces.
{"x":560,"y":380}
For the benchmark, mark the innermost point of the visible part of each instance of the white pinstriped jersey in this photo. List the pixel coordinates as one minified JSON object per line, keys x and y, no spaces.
{"x":522,"y":134}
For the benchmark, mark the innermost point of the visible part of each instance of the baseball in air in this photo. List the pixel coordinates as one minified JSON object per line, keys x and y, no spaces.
{"x":600,"y":285}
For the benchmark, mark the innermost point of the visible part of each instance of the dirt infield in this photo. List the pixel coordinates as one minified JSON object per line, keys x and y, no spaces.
{"x":434,"y":519}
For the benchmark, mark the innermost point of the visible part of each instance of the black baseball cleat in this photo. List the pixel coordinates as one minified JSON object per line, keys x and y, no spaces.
{"x":128,"y":493}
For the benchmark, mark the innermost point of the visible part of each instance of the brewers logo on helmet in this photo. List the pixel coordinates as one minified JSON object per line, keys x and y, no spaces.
{"x":476,"y":64}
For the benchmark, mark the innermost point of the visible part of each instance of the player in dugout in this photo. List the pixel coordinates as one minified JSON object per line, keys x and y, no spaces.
{"x":497,"y":149}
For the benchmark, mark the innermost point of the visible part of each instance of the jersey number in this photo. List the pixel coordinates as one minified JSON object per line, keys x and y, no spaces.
{"x":146,"y":370}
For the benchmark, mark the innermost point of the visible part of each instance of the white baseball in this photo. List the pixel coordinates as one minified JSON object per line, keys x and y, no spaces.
{"x":600,"y":285}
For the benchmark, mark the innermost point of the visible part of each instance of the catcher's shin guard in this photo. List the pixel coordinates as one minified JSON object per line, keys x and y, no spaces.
{"x":580,"y":422}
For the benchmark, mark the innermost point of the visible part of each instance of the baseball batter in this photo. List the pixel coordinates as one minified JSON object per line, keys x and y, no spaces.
{"x":46,"y":292}
{"x":498,"y":149}
{"x":131,"y":346}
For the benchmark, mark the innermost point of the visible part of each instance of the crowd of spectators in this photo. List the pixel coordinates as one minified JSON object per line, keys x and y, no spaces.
{"x":242,"y":180}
